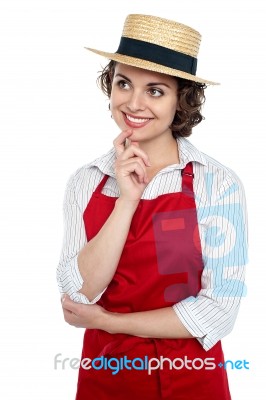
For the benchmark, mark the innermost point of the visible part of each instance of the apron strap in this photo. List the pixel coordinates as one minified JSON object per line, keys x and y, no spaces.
{"x":187,"y":179}
{"x":101,"y":184}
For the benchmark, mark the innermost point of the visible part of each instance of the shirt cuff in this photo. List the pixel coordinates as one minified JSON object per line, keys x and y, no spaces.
{"x":72,"y":281}
{"x":190,"y":321}
{"x":81,"y":298}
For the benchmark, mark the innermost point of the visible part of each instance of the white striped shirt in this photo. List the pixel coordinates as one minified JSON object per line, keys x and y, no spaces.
{"x":221,"y":211}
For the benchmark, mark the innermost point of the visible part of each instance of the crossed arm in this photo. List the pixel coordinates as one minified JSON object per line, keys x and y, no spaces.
{"x":160,"y":323}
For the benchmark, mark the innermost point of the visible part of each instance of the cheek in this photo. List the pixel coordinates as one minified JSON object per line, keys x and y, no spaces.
{"x":115,"y":100}
{"x":174,"y":107}
{"x":168,"y":111}
{"x":115,"y":103}
{"x":112,"y":105}
{"x":173,"y":114}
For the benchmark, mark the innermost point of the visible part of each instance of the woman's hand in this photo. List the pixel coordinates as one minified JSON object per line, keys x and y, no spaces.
{"x":130,"y":167}
{"x":88,"y":316}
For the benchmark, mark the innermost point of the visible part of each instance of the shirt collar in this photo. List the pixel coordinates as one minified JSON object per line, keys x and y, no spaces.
{"x":187,"y":153}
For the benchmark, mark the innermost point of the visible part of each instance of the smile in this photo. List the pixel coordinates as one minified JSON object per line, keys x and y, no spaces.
{"x":135,"y":122}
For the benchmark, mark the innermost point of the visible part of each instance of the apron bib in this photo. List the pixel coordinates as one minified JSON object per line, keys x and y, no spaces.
{"x":161,"y":264}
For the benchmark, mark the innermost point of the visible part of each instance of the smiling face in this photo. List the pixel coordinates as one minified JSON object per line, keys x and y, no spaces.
{"x":144,"y":101}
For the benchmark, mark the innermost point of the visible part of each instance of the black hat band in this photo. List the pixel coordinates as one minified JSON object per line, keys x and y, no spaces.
{"x":157,"y":54}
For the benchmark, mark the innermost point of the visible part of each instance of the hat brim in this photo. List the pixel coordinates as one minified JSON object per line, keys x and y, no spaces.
{"x":139,"y":63}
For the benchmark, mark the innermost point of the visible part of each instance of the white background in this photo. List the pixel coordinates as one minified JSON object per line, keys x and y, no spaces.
{"x":54,"y":119}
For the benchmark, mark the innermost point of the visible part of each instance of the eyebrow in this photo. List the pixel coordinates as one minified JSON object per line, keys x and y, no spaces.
{"x":148,"y":84}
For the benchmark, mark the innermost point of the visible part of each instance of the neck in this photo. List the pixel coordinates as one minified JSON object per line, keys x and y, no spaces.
{"x":162,"y":151}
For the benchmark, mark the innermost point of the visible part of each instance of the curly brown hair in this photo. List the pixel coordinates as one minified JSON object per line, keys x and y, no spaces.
{"x":190,"y":95}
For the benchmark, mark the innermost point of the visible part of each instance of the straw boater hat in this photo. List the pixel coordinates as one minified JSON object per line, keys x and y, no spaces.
{"x":159,"y":45}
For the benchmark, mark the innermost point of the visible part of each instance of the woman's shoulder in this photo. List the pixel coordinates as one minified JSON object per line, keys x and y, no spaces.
{"x":211,"y":175}
{"x":83,"y":181}
{"x":222,"y":181}
{"x":224,"y":172}
{"x":208,"y":164}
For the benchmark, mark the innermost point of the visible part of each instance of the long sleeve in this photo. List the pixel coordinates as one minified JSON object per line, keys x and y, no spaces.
{"x":68,"y":276}
{"x":212,"y":314}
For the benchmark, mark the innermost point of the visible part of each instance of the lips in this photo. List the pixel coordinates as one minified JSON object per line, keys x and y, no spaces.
{"x":135,"y":122}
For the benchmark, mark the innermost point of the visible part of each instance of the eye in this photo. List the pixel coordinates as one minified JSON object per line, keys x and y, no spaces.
{"x":123,"y":84}
{"x":155,"y":92}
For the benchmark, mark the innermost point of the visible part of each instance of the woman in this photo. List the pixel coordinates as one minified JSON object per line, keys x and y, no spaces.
{"x":155,"y":232}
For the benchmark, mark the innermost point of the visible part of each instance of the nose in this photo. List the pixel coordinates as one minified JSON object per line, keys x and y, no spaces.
{"x":135,"y":102}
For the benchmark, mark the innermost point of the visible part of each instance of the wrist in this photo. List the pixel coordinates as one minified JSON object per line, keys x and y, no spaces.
{"x":127,"y":205}
{"x":107,"y":323}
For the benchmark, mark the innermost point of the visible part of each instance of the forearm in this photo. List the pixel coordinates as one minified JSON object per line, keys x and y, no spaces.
{"x":160,"y":323}
{"x":98,"y":259}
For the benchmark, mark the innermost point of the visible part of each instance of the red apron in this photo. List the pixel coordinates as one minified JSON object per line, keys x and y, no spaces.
{"x":161,"y":264}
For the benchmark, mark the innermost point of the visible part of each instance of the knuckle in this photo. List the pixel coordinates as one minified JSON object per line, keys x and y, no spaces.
{"x":134,"y":159}
{"x":137,"y":165}
{"x":139,"y":161}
